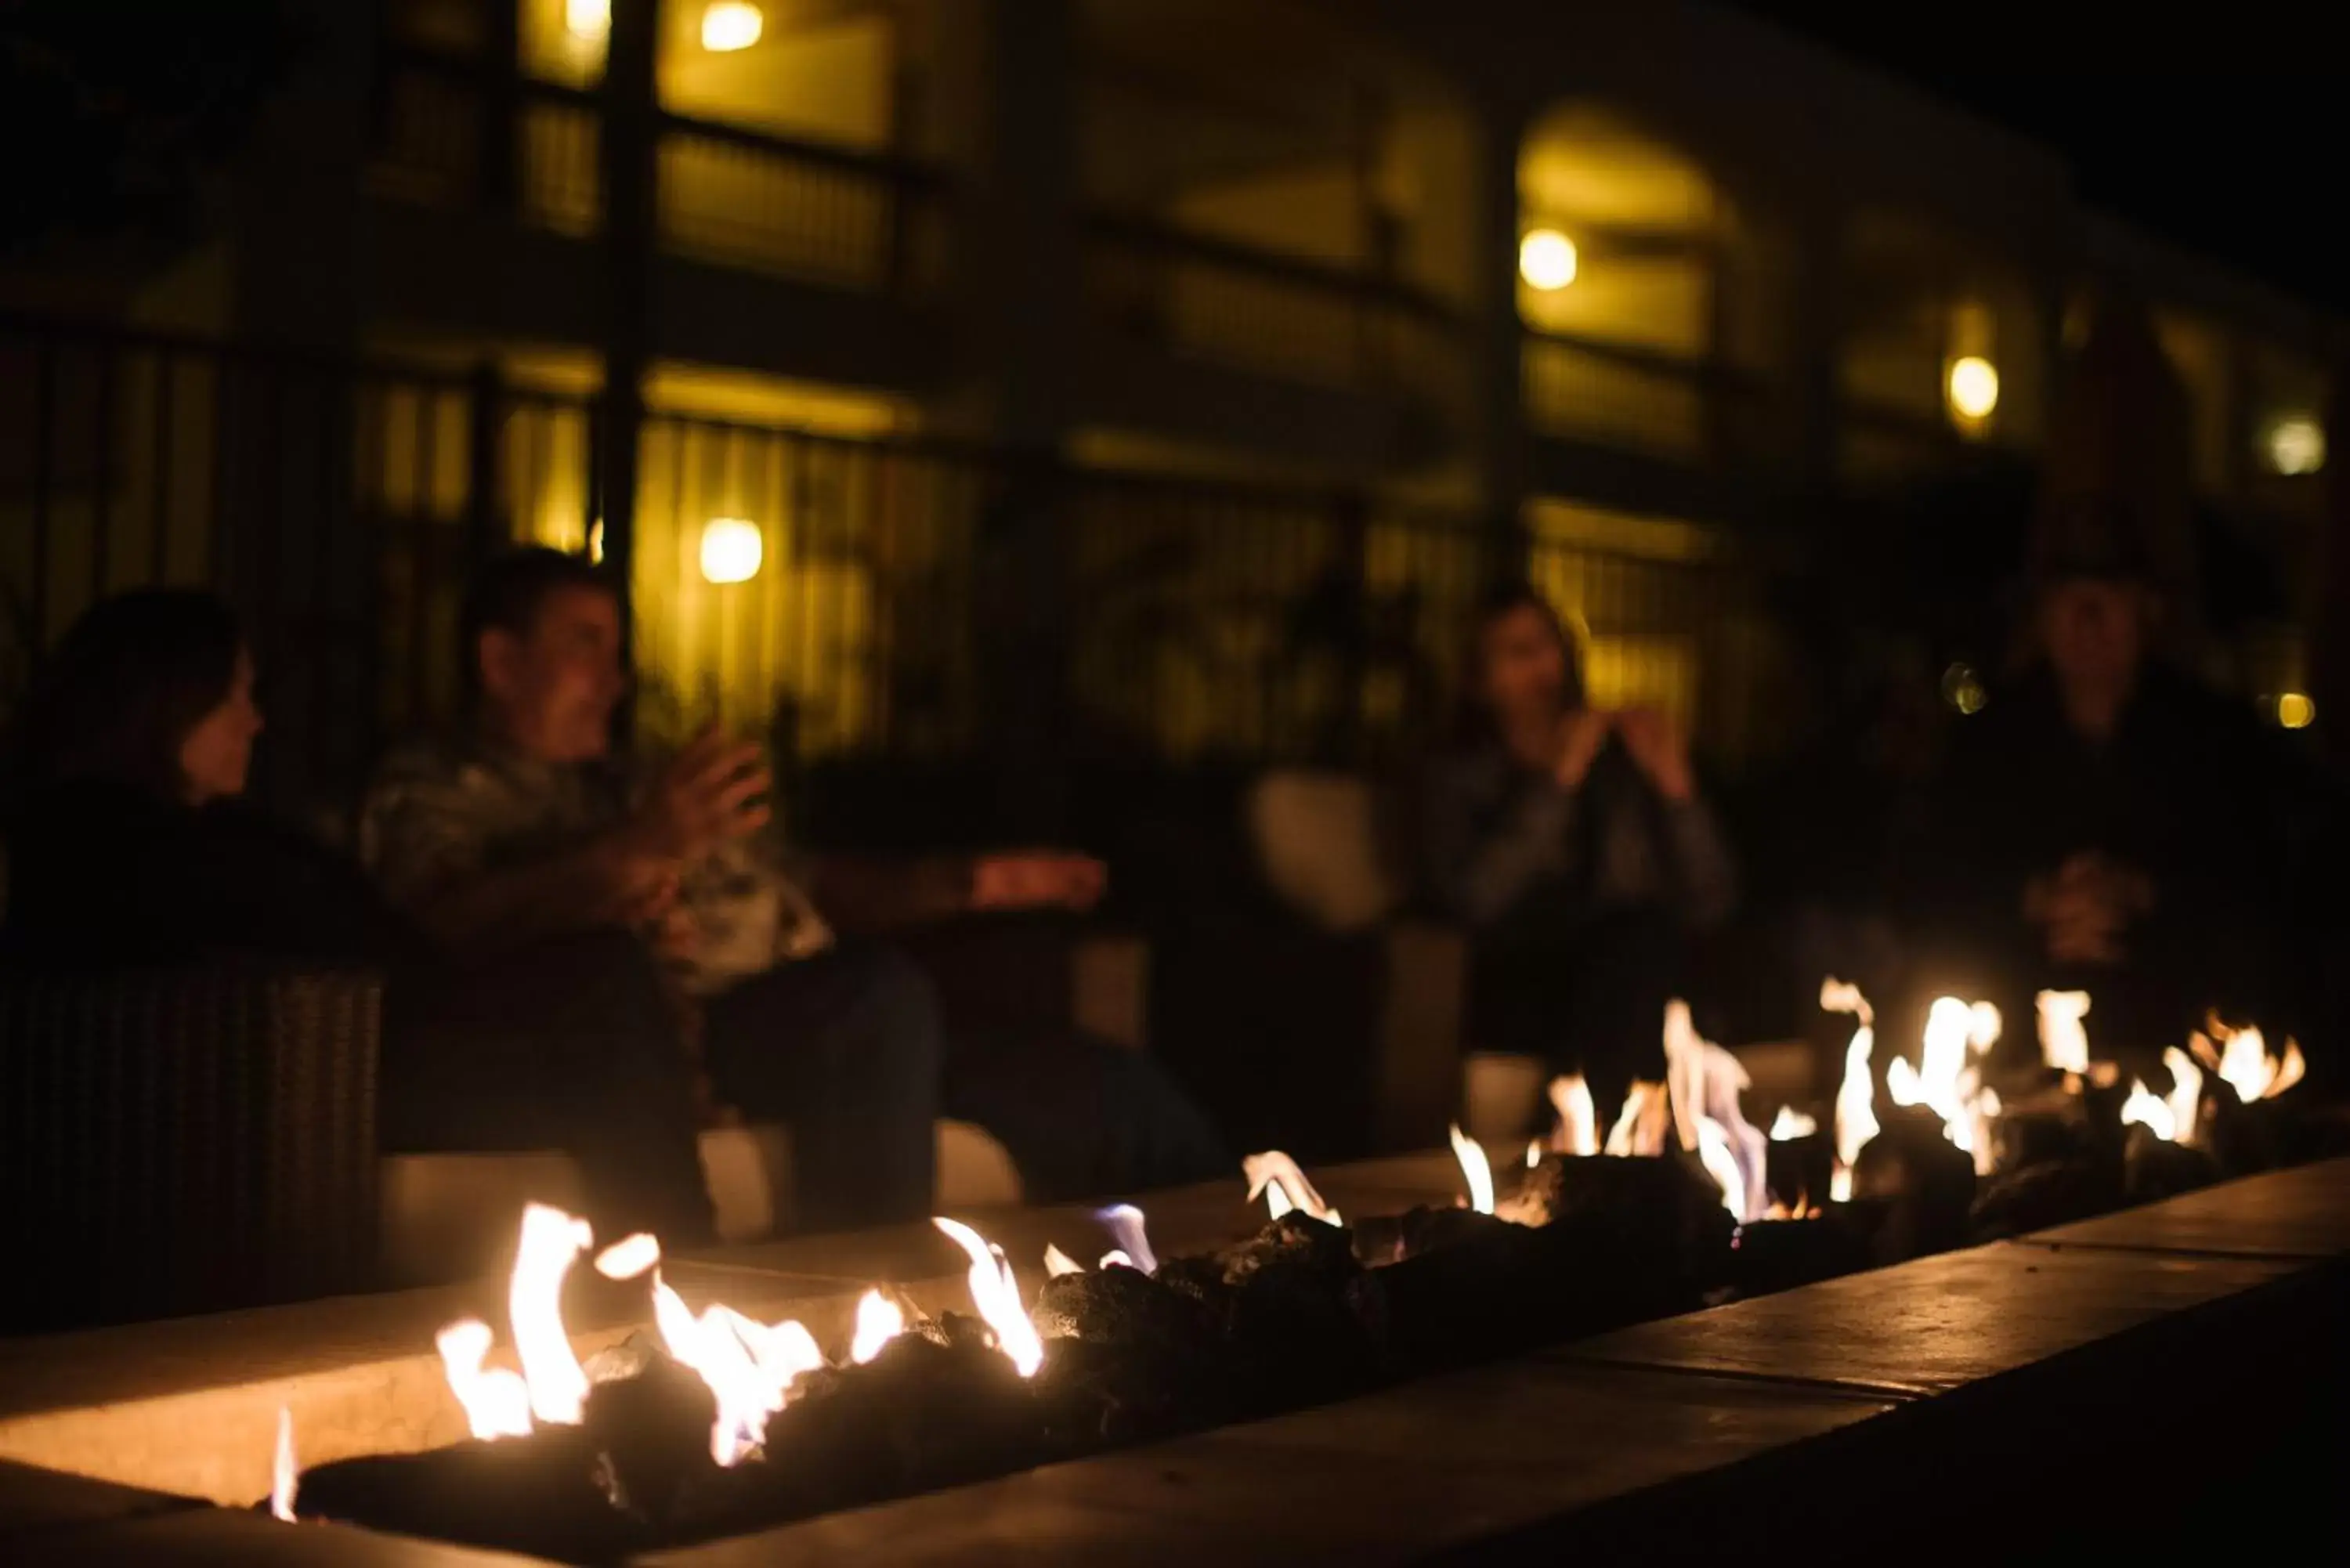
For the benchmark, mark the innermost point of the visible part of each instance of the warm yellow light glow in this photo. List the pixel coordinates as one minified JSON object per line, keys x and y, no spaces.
{"x":732,"y":550}
{"x":2296,"y":710}
{"x":2296,"y":444}
{"x":587,"y":20}
{"x":1962,"y":689}
{"x":1546,"y":259}
{"x":1973,"y":387}
{"x":730,"y":25}
{"x":596,"y":543}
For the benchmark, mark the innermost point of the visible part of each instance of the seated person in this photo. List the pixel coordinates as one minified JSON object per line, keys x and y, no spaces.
{"x":525,"y":835}
{"x":2099,"y":826}
{"x":1574,"y":845}
{"x":129,"y":842}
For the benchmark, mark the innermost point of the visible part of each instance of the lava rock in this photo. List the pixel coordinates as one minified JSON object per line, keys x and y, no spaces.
{"x":2052,"y":1192}
{"x":1918,"y":1186}
{"x":651,"y":1424}
{"x":536,"y":1495}
{"x":2154,"y":1167}
{"x":1770,"y":1255}
{"x":1301,"y":1320}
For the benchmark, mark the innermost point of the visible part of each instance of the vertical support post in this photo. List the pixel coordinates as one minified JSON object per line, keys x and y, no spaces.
{"x":500,"y":176}
{"x":629,"y":150}
{"x":1499,"y":346}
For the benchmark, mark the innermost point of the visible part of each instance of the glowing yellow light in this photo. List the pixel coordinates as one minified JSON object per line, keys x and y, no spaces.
{"x":596,"y":543}
{"x":2296,"y":710}
{"x":588,"y":19}
{"x":1973,"y":387}
{"x":2296,"y":445}
{"x":732,"y":550}
{"x":1546,"y":259}
{"x":1963,"y":690}
{"x":730,"y":25}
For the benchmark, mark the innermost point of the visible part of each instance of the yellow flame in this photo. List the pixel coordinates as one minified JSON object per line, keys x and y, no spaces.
{"x":284,"y":1475}
{"x":1714,"y":1152}
{"x":997,"y":1294}
{"x":880,"y":1320}
{"x":497,"y":1403}
{"x":2244,"y":1065}
{"x":550,"y":1240}
{"x":1473,"y":1170}
{"x":1534,"y":1154}
{"x":1285,"y":1187}
{"x":628,"y":1257}
{"x":1856,"y":1101}
{"x":1792,"y":1123}
{"x":1639,"y":1129}
{"x":1948,"y":1080}
{"x":1057,"y":1262}
{"x":2147,"y":1111}
{"x":1578,"y":1119}
{"x":1116,"y":1258}
{"x":748,"y":1367}
{"x":2064,"y":1043}
{"x":2186,"y":1097}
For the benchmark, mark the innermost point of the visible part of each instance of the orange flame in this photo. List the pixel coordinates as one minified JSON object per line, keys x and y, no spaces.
{"x":550,"y":1240}
{"x":2064,"y":1041}
{"x":497,"y":1403}
{"x":284,"y":1475}
{"x":880,"y":1320}
{"x":2244,"y":1065}
{"x":997,"y":1294}
{"x":1473,"y":1170}
{"x":1856,"y":1101}
{"x":1578,"y":1119}
{"x":628,"y":1257}
{"x":1057,"y":1262}
{"x":1285,"y":1187}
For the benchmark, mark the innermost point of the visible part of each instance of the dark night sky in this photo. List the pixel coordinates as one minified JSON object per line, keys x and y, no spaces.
{"x":2216,"y":125}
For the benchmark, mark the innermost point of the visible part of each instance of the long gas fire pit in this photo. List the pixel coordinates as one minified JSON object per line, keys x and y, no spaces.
{"x":1783,"y":1423}
{"x":628,"y":1404}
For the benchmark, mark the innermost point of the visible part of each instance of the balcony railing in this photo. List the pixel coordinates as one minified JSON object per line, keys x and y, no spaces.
{"x":1260,"y":310}
{"x":455,"y":135}
{"x":1694,"y":410}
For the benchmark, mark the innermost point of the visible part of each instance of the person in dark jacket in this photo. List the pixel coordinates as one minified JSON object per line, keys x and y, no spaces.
{"x":2101,"y":825}
{"x":1575,"y":844}
{"x":129,"y":841}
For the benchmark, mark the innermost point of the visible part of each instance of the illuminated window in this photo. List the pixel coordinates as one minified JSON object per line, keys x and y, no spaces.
{"x":2295,"y":444}
{"x":1546,"y":259}
{"x":732,"y":549}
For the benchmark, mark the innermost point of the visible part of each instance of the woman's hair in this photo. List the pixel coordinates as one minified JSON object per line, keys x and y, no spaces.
{"x":1473,"y":719}
{"x":116,"y":699}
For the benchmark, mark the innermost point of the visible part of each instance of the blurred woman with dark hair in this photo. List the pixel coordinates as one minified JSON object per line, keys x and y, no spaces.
{"x":1574,"y":845}
{"x":128,"y":841}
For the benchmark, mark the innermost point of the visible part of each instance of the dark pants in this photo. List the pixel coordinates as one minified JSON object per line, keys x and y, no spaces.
{"x":568,"y":1044}
{"x":848,"y":1048}
{"x":573,"y":1044}
{"x":1588,"y":996}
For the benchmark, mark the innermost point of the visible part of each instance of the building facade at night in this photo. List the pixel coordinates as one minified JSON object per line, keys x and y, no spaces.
{"x":1160,"y":376}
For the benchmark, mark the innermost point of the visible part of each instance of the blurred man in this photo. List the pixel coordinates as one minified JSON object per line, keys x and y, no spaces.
{"x":2100,"y":827}
{"x":525,"y":847}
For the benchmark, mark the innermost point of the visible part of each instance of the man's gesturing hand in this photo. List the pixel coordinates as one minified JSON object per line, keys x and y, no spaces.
{"x":711,"y":792}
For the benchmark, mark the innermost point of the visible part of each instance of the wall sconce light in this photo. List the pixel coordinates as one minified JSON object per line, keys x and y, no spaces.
{"x":1972,"y":386}
{"x":732,"y":549}
{"x":1546,"y":259}
{"x":591,"y":21}
{"x":2295,"y":444}
{"x":2294,"y":710}
{"x":730,"y":25}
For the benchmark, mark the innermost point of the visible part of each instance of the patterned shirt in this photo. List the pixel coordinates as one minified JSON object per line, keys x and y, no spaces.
{"x":441,"y":813}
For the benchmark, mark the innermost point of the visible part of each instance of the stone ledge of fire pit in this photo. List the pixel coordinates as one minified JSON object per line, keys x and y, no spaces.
{"x":191,"y":1404}
{"x":2299,"y":1213}
{"x":224,"y":1538}
{"x":1935,"y":1324}
{"x":1393,"y":1477}
{"x":38,"y":1499}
